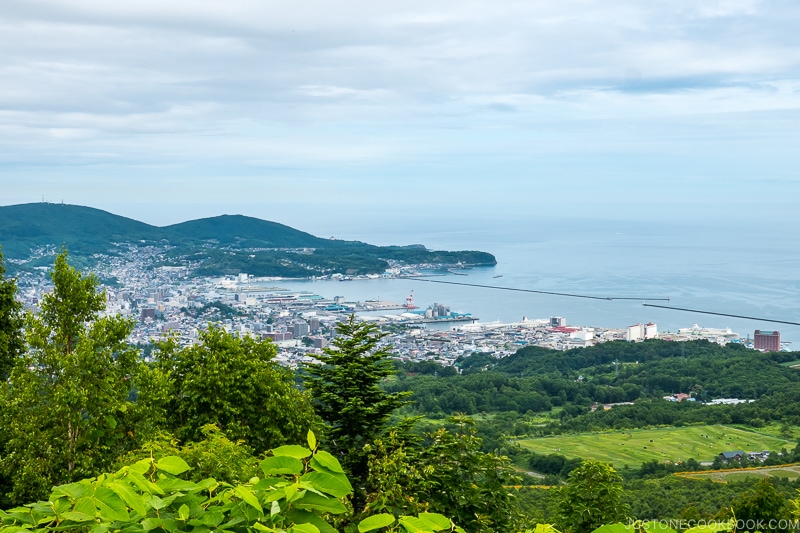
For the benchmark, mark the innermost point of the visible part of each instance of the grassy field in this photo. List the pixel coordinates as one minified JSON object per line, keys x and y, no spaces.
{"x":775,"y":429}
{"x":634,"y":447}
{"x":792,"y":472}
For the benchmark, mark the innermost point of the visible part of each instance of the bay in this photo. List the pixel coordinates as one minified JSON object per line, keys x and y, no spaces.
{"x":746,"y":270}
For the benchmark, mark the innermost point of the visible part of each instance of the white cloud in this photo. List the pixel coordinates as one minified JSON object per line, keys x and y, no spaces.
{"x":319,"y":92}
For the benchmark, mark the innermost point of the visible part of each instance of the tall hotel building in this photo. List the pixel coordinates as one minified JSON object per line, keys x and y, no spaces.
{"x":769,"y":341}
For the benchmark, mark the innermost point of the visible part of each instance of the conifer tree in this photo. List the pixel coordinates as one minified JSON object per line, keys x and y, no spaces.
{"x":345,"y":387}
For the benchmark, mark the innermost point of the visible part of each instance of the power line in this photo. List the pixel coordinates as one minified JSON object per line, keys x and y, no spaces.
{"x":722,"y":314}
{"x":606,"y":298}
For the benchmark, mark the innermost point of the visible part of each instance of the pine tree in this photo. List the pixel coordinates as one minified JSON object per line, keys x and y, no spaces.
{"x":345,"y":387}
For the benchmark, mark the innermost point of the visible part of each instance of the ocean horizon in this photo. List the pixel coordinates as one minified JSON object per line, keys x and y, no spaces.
{"x":747,"y":271}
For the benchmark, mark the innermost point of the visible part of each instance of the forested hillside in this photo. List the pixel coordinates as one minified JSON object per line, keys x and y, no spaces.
{"x":31,"y":234}
{"x":539,"y":380}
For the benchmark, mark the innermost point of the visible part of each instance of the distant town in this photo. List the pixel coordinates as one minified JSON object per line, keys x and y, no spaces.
{"x":166,"y":301}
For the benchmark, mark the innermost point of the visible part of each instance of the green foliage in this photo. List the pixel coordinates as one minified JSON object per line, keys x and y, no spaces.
{"x":468,"y":484}
{"x":68,"y":395}
{"x":396,"y":474}
{"x":234,"y":383}
{"x":592,"y":497}
{"x":214,"y":308}
{"x":345,"y":386}
{"x":11,"y":333}
{"x":762,"y":503}
{"x":215,"y":456}
{"x":448,"y":474}
{"x":301,"y":490}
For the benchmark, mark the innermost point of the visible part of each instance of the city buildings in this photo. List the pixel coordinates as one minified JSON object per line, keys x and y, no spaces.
{"x":767,"y":341}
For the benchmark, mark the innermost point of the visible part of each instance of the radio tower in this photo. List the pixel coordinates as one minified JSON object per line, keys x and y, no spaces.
{"x":410,"y":301}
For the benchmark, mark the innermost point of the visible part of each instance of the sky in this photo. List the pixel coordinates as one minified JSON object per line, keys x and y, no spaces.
{"x":331,"y":116}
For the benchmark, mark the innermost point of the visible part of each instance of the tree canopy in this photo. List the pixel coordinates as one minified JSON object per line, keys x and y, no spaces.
{"x":70,"y":390}
{"x":236,"y":384}
{"x":11,"y":337}
{"x":345,"y":387}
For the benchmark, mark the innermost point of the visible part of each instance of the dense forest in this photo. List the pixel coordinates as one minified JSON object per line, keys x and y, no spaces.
{"x":539,"y":380}
{"x":218,"y":435}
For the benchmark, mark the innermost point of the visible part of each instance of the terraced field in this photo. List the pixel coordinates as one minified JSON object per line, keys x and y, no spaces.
{"x":633,"y":447}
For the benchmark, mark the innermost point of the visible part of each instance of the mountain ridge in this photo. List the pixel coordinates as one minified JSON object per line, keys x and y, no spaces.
{"x":88,"y":231}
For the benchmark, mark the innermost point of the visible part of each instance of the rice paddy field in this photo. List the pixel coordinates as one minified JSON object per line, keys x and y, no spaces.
{"x":675,"y":444}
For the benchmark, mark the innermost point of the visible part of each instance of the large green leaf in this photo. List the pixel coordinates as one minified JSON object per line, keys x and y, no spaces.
{"x":183,"y":512}
{"x":103,"y":528}
{"x":270,"y":482}
{"x":298,"y":516}
{"x":141,"y":466}
{"x":437,"y":520}
{"x":170,"y":484}
{"x":375,"y":522}
{"x":212,"y":518}
{"x":248,"y":497}
{"x":273,"y":466}
{"x":333,"y":484}
{"x":713,"y":527}
{"x":145,"y":485}
{"x":614,"y":528}
{"x":131,"y":498}
{"x":151,"y":523}
{"x":210,"y":484}
{"x":74,"y":516}
{"x":111,"y":514}
{"x":73,"y":490}
{"x":319,"y":503}
{"x":323,"y":460}
{"x":304,"y":528}
{"x":110,"y":506}
{"x":85,"y":506}
{"x":172,"y":464}
{"x":291,"y":450}
{"x":425,"y":522}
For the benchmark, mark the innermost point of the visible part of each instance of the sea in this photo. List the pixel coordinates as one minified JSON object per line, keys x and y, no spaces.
{"x":746,"y":270}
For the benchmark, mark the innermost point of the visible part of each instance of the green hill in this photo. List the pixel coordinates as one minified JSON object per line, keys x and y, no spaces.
{"x":84,"y":230}
{"x":243,"y":232}
{"x":272,"y":249}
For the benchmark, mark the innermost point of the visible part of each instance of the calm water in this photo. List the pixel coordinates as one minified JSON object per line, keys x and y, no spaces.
{"x":744,"y":271}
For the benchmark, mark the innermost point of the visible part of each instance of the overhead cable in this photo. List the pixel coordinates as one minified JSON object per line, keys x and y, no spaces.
{"x":722,"y":314}
{"x":585,"y":296}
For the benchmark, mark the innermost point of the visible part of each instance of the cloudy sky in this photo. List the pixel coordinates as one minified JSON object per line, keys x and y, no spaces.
{"x":318,"y":113}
